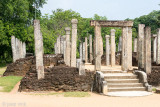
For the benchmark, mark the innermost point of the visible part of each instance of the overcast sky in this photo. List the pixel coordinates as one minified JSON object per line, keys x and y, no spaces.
{"x":112,"y":9}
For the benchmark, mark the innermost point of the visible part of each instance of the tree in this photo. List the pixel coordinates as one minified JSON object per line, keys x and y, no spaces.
{"x":16,"y":17}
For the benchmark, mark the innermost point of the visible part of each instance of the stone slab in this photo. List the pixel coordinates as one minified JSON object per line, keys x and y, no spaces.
{"x":129,"y":94}
{"x":112,"y":23}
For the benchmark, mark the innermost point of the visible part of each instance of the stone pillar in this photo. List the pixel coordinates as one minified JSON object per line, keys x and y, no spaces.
{"x":135,"y":44}
{"x":21,"y":49}
{"x":55,"y":48}
{"x":38,"y":49}
{"x":86,"y":50}
{"x":98,"y":53}
{"x":115,"y":48}
{"x":68,"y":47}
{"x":64,"y":47}
{"x":81,"y":68}
{"x":13,"y":44}
{"x":112,"y":47}
{"x":125,"y":48}
{"x":147,"y":50}
{"x":158,"y":47}
{"x":129,"y":48}
{"x":18,"y":49}
{"x":90,"y":49}
{"x":59,"y":44}
{"x":101,"y":45}
{"x":141,"y":46}
{"x":107,"y":50}
{"x":120,"y":44}
{"x":24,"y":49}
{"x":81,"y":51}
{"x":94,"y":47}
{"x":62,"y":44}
{"x":74,"y":42}
{"x":154,"y":47}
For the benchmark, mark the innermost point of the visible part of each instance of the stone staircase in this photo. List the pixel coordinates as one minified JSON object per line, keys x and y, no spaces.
{"x":118,"y":80}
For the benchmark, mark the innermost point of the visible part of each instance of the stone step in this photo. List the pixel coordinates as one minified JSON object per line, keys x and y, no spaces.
{"x":110,"y":85}
{"x":126,"y":89}
{"x":122,"y":80}
{"x":112,"y":71}
{"x":120,"y":76}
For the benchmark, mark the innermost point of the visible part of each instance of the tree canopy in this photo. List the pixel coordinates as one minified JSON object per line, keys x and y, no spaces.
{"x":16,"y":18}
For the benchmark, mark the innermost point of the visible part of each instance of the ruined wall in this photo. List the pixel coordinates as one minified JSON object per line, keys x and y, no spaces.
{"x":22,"y":66}
{"x":154,"y":76}
{"x":57,"y":79}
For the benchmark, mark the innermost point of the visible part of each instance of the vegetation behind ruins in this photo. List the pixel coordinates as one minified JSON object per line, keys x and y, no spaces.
{"x":16,"y":18}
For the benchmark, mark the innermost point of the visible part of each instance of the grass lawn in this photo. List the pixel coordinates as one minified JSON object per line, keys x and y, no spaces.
{"x":2,"y":70}
{"x":66,"y":94}
{"x":7,"y":83}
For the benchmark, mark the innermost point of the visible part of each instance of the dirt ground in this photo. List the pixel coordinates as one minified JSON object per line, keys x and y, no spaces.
{"x":95,"y":100}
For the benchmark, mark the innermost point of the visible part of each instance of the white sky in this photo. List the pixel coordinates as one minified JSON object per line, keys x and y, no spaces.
{"x":112,"y":9}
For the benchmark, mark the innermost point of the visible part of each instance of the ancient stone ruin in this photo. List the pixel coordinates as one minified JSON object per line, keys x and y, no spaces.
{"x":94,"y":70}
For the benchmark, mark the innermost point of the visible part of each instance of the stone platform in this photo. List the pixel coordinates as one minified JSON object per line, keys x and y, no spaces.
{"x":129,"y":94}
{"x":90,"y":67}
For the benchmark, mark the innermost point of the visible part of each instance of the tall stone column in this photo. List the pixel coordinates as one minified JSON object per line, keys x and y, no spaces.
{"x":86,"y":50}
{"x":21,"y":49}
{"x":81,"y":51}
{"x":24,"y":49}
{"x":120,"y":44}
{"x":112,"y":47}
{"x":64,"y":47}
{"x":38,"y":49}
{"x":90,"y":49}
{"x":68,"y":47}
{"x":74,"y":42}
{"x":101,"y":45}
{"x":129,"y":48}
{"x":141,"y":46}
{"x":154,"y":47}
{"x":107,"y":50}
{"x":18,"y":49}
{"x":135,"y":44}
{"x":158,"y":47}
{"x":98,"y":53}
{"x":13,"y":44}
{"x":62,"y":44}
{"x":147,"y":50}
{"x":59,"y":44}
{"x":55,"y":48}
{"x":125,"y":48}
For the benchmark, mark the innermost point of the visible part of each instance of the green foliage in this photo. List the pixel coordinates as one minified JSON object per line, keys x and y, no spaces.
{"x":152,"y":20}
{"x":16,"y":17}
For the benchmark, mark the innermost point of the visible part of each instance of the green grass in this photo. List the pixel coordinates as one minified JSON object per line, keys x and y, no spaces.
{"x":153,"y":89}
{"x":2,"y":70}
{"x":8,"y":82}
{"x":66,"y":94}
{"x":76,"y":94}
